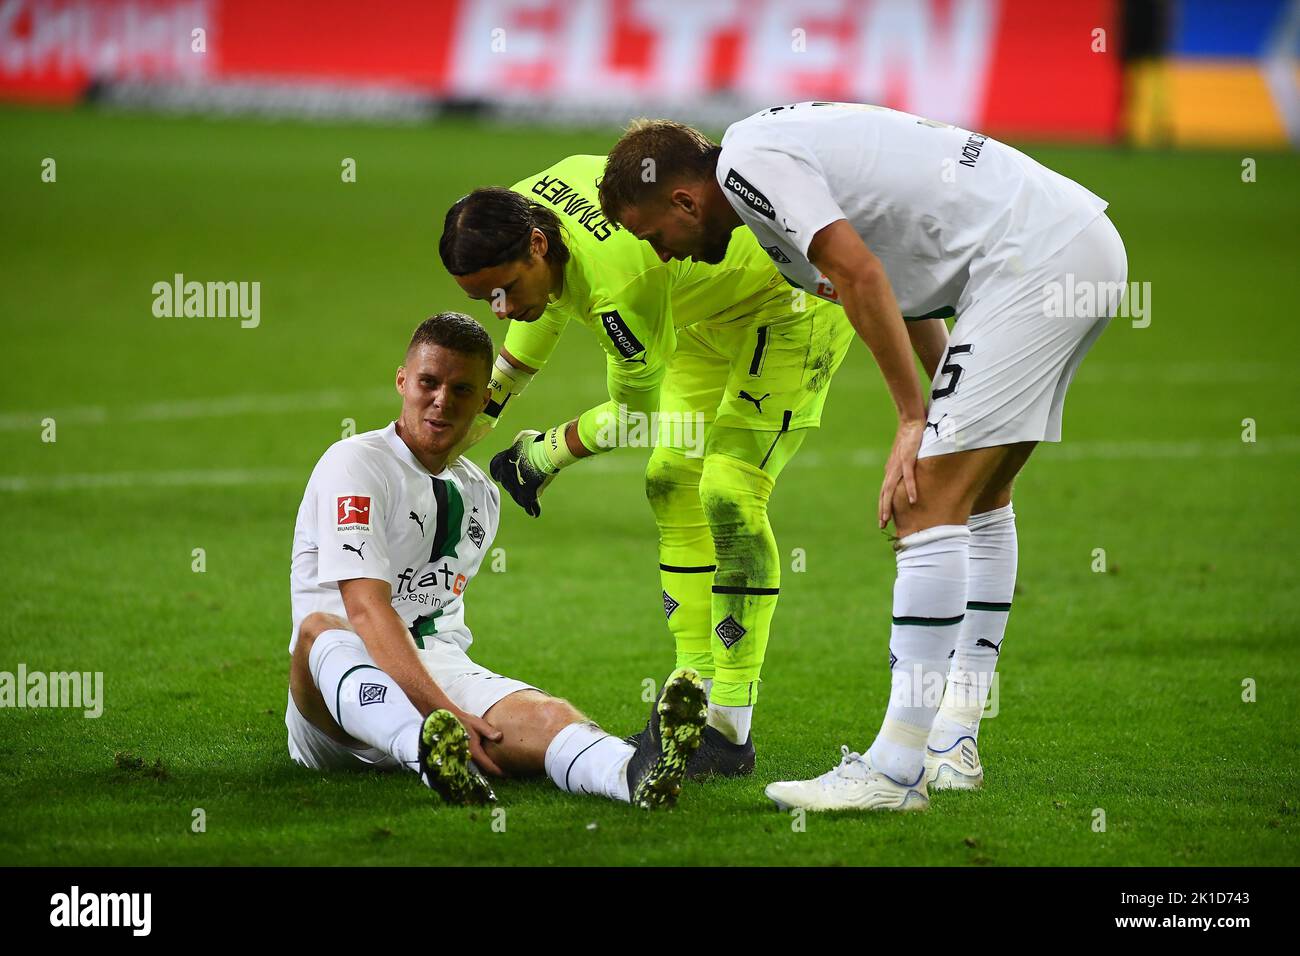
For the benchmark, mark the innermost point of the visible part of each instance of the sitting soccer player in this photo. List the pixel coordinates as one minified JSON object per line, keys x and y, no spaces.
{"x":388,"y":538}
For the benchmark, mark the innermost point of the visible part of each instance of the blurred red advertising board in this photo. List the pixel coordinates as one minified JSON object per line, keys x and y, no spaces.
{"x":1008,"y":67}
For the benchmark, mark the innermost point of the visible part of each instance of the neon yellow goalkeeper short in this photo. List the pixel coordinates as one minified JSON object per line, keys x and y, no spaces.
{"x":762,"y":377}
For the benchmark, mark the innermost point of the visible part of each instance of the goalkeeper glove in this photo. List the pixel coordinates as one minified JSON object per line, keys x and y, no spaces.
{"x":531,"y":463}
{"x":521,"y":479}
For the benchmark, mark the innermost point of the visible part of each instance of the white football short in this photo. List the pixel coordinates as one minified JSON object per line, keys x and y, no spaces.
{"x":1017,"y":345}
{"x":472,"y":688}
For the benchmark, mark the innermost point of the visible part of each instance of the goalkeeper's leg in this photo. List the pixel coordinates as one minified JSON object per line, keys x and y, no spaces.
{"x":686,"y":560}
{"x":740,"y":471}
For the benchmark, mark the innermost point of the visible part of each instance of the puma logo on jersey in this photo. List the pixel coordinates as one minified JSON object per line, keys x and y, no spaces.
{"x":985,"y":642}
{"x":418,"y":520}
{"x":935,"y":425}
{"x":348,"y":547}
{"x":758,"y":402}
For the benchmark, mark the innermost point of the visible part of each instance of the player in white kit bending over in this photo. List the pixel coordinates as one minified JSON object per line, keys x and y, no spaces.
{"x":390,"y":534}
{"x":902,"y":219}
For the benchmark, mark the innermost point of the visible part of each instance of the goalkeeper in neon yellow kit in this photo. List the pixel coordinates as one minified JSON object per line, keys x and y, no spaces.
{"x":731,"y":346}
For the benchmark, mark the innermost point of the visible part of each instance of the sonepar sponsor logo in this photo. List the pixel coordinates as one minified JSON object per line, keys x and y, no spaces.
{"x":627,"y":344}
{"x":741,"y":186}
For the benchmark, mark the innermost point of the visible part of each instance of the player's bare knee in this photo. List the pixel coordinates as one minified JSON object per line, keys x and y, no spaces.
{"x":909,"y":518}
{"x":534,"y":712}
{"x":314,"y":625}
{"x":556,"y":713}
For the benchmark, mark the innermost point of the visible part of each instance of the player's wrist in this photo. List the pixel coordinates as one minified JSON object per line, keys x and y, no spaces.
{"x":506,"y":381}
{"x":502,"y":369}
{"x":550,"y":452}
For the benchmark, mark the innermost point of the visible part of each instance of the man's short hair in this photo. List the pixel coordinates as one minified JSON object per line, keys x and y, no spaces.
{"x":458,"y":332}
{"x":677,"y":151}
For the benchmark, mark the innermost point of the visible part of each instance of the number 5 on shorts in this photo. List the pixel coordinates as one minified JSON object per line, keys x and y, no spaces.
{"x":951,"y":369}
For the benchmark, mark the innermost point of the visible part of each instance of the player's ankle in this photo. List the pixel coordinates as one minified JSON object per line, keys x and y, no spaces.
{"x":948,"y":729}
{"x":732,"y":722}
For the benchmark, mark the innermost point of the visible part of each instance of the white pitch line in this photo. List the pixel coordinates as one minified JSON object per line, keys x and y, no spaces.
{"x":187,"y":409}
{"x":155,"y":479}
{"x":628,"y":464}
{"x":227,"y":406}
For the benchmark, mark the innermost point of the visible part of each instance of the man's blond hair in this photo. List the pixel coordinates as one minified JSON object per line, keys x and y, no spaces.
{"x":650,"y":155}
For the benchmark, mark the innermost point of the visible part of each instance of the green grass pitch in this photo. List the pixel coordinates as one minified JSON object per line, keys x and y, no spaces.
{"x":1121,"y":691}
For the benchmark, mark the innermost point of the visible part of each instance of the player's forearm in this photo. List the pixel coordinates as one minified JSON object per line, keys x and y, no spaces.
{"x":603,"y":427}
{"x":872,"y":310}
{"x":611,"y":424}
{"x":389,"y":643}
{"x":929,"y":340}
{"x":592,"y":433}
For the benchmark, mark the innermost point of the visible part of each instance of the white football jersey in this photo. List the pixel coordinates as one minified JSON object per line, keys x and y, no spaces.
{"x":943,"y":208}
{"x":371,"y":510}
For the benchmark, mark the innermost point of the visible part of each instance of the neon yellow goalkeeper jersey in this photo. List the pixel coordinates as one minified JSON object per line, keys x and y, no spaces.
{"x":615,"y":284}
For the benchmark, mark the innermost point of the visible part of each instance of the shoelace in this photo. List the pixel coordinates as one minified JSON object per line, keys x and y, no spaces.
{"x":852,"y":766}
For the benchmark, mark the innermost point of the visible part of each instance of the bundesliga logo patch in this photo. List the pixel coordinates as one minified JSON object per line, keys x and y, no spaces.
{"x":372,"y":694}
{"x":776,"y":254}
{"x":729,"y":631}
{"x":353,"y":513}
{"x":476,"y":533}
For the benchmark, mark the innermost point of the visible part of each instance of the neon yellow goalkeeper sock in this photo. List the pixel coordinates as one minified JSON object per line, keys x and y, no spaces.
{"x":747,"y":582}
{"x":549,"y":453}
{"x":686,"y":561}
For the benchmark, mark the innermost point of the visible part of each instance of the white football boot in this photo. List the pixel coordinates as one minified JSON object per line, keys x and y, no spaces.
{"x":853,"y":785}
{"x":957,"y":768}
